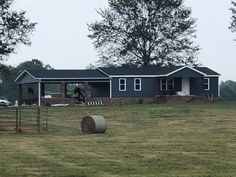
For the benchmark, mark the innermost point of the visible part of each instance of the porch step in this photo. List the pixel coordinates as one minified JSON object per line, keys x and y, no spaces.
{"x":95,"y":103}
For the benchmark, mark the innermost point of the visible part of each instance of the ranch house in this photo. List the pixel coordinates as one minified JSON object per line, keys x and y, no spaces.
{"x":116,"y":84}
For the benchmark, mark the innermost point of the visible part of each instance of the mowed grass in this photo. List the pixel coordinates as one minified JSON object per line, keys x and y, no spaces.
{"x":141,"y":140}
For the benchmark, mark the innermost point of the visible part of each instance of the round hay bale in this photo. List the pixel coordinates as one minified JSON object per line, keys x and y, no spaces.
{"x":94,"y":124}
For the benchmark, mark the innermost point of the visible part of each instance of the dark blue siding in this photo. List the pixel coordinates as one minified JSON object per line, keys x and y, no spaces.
{"x":150,"y":88}
{"x":178,"y":84}
{"x":214,"y":85}
{"x":186,"y":73}
{"x":196,"y":86}
{"x":100,"y":89}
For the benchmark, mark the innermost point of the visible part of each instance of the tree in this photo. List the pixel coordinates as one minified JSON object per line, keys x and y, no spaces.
{"x":32,"y":64}
{"x":15,"y":28}
{"x":145,"y":33}
{"x":4,"y":69}
{"x":228,"y":90}
{"x":8,"y":85}
{"x":233,"y":18}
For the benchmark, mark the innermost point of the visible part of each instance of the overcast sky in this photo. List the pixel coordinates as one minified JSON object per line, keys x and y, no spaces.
{"x":61,"y":38}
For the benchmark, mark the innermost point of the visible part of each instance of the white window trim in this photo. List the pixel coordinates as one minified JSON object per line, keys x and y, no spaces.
{"x":161,"y":83}
{"x":122,"y":84}
{"x":208,"y":83}
{"x":140,"y":84}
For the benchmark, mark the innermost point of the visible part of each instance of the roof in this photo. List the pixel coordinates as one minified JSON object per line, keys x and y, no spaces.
{"x":207,"y":71}
{"x":63,"y":74}
{"x":154,"y":71}
{"x":112,"y":71}
{"x":59,"y":74}
{"x":106,"y":73}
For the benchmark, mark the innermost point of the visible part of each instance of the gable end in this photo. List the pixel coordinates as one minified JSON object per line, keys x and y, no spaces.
{"x":186,"y":72}
{"x":25,"y":77}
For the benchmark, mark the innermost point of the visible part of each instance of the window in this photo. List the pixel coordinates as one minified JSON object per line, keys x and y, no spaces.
{"x":206,"y":84}
{"x":73,"y":90}
{"x":137,"y":84}
{"x":122,"y":84}
{"x":52,"y":90}
{"x":170,"y":84}
{"x":167,"y":84}
{"x":163,"y":84}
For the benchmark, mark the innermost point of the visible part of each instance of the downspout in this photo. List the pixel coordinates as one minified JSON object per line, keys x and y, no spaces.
{"x":110,"y":87}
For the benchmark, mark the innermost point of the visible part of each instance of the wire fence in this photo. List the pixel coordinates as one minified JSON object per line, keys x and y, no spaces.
{"x":24,"y":119}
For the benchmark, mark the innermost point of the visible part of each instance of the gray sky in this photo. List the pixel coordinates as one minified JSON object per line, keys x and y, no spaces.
{"x":61,"y":38}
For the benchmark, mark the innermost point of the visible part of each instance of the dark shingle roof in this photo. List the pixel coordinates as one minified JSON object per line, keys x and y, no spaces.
{"x":66,"y":74}
{"x":104,"y":73}
{"x":207,"y":71}
{"x":116,"y":71}
{"x":112,"y":71}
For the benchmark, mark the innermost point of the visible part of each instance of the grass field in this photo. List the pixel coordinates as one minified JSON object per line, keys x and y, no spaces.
{"x":141,"y":140}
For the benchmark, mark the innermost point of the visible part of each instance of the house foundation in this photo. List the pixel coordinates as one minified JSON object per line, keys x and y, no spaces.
{"x":126,"y":101}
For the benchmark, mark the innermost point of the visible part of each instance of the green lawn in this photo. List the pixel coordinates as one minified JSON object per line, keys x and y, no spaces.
{"x":141,"y":140}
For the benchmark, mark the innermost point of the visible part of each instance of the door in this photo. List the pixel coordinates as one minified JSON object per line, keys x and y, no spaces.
{"x":186,"y":86}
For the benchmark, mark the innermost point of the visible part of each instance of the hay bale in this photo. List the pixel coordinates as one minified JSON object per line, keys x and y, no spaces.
{"x":94,"y":124}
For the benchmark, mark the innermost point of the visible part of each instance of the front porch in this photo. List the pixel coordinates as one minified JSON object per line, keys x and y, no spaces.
{"x":184,"y":86}
{"x":64,"y":92}
{"x":95,"y":93}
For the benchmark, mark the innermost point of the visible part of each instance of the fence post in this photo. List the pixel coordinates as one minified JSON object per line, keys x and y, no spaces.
{"x":20,"y":130}
{"x":47,"y":118}
{"x":17,"y":120}
{"x":38,"y":118}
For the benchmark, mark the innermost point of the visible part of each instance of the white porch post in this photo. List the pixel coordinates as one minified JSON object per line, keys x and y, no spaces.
{"x":110,"y":88}
{"x":39,"y":93}
{"x":218,"y":87}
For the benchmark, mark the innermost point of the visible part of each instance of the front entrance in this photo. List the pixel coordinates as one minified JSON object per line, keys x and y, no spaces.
{"x":186,"y":86}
